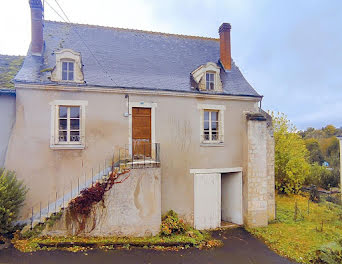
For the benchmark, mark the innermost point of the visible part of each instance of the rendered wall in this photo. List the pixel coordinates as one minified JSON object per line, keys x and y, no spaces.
{"x":177,"y":131}
{"x":7,"y":119}
{"x":131,"y":208}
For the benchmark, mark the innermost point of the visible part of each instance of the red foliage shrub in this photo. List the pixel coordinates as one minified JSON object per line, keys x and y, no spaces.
{"x":82,"y":204}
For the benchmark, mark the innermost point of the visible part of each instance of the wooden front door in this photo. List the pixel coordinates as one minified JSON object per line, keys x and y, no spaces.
{"x":141,"y":136}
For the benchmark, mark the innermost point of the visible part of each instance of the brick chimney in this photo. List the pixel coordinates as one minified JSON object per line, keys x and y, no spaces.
{"x":37,"y":42}
{"x":225,"y":53}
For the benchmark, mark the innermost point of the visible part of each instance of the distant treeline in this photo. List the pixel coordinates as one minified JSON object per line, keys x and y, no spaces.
{"x":324,"y":155}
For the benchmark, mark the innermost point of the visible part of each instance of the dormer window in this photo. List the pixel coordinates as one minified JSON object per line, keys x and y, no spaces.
{"x":67,"y":71}
{"x":206,"y":78}
{"x":68,"y":67}
{"x":210,"y":81}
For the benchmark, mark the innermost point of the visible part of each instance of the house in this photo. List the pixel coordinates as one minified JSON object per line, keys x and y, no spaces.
{"x":85,"y":91}
{"x":9,"y":67}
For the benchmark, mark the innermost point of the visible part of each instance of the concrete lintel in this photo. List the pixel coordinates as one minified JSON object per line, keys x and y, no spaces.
{"x":215,"y":170}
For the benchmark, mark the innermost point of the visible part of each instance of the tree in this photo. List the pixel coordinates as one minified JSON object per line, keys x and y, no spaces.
{"x":12,"y":196}
{"x":320,"y":176}
{"x":291,"y":166}
{"x":329,"y":130}
{"x":315,"y":153}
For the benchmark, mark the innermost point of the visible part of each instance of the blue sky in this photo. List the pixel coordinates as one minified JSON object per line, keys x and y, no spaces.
{"x":290,"y":51}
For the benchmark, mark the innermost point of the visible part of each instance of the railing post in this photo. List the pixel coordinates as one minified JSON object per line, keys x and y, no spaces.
{"x":56,"y":204}
{"x":144,"y":153}
{"x":32,"y":219}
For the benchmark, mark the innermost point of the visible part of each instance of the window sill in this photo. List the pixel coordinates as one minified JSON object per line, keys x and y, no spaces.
{"x":212,"y":144}
{"x":65,"y":146}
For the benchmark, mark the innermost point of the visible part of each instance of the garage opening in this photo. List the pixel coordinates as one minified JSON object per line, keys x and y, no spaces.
{"x":231,"y":197}
{"x":217,"y":197}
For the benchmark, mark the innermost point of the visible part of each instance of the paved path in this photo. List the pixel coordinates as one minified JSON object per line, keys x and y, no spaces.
{"x":239,"y":247}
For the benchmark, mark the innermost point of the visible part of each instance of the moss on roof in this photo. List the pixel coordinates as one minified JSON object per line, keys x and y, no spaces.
{"x":9,"y":66}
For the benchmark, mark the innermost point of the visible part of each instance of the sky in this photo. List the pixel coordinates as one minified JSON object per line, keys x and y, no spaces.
{"x":289,"y":51}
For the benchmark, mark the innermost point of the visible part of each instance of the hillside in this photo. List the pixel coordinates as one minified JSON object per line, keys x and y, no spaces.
{"x":9,"y":66}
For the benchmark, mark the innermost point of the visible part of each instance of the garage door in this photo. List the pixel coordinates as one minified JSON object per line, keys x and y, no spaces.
{"x":207,"y":200}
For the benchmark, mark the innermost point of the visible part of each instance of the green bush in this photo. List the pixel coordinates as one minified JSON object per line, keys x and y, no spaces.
{"x":171,"y":224}
{"x":329,"y":254}
{"x":12,"y":196}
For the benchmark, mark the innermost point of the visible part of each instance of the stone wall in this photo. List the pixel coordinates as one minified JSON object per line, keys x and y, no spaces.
{"x":257,"y":179}
{"x":7,"y":119}
{"x":130,"y":208}
{"x":270,"y":168}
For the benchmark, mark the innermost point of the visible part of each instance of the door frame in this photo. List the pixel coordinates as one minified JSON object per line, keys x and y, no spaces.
{"x":153,"y":107}
{"x":197,"y":174}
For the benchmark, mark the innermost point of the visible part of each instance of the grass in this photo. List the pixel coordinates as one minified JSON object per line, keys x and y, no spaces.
{"x":298,"y":234}
{"x":193,"y":238}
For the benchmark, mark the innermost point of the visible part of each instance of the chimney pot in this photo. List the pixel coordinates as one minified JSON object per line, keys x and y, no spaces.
{"x":37,"y":41}
{"x":225,"y":46}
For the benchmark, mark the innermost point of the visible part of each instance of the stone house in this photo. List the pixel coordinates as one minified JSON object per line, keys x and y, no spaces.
{"x":87,"y":91}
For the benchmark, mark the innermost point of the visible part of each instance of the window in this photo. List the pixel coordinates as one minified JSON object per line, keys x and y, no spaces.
{"x":211,"y":125}
{"x":67,"y":124}
{"x":210,"y":81}
{"x":67,"y":71}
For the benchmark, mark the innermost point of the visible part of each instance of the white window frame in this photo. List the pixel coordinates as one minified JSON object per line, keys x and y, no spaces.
{"x":208,"y":82}
{"x":54,"y":142}
{"x":220,"y":109}
{"x":73,"y":71}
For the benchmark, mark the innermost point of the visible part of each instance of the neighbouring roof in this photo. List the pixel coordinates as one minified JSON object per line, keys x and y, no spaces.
{"x":9,"y":67}
{"x":115,"y":57}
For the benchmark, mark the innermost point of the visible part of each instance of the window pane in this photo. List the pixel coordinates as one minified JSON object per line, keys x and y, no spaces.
{"x":211,"y":77}
{"x":71,"y":66}
{"x":74,"y":124}
{"x":211,"y":87}
{"x":214,"y":125}
{"x":207,"y":77}
{"x":206,"y":135}
{"x":71,"y":76}
{"x":62,"y":136}
{"x":63,"y":111}
{"x":206,"y":116}
{"x":214,"y":135}
{"x":206,"y":124}
{"x":74,"y":112}
{"x":214,"y":116}
{"x":74,"y":136}
{"x":62,"y":124}
{"x":64,"y":75}
{"x":64,"y":66}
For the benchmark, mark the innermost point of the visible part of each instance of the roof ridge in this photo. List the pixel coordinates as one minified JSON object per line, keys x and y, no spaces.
{"x":138,"y":30}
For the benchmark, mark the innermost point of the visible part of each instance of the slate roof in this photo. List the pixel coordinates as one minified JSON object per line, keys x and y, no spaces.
{"x":132,"y":58}
{"x":9,"y":67}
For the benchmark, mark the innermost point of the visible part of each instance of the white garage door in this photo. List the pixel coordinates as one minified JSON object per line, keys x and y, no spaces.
{"x":207,"y":200}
